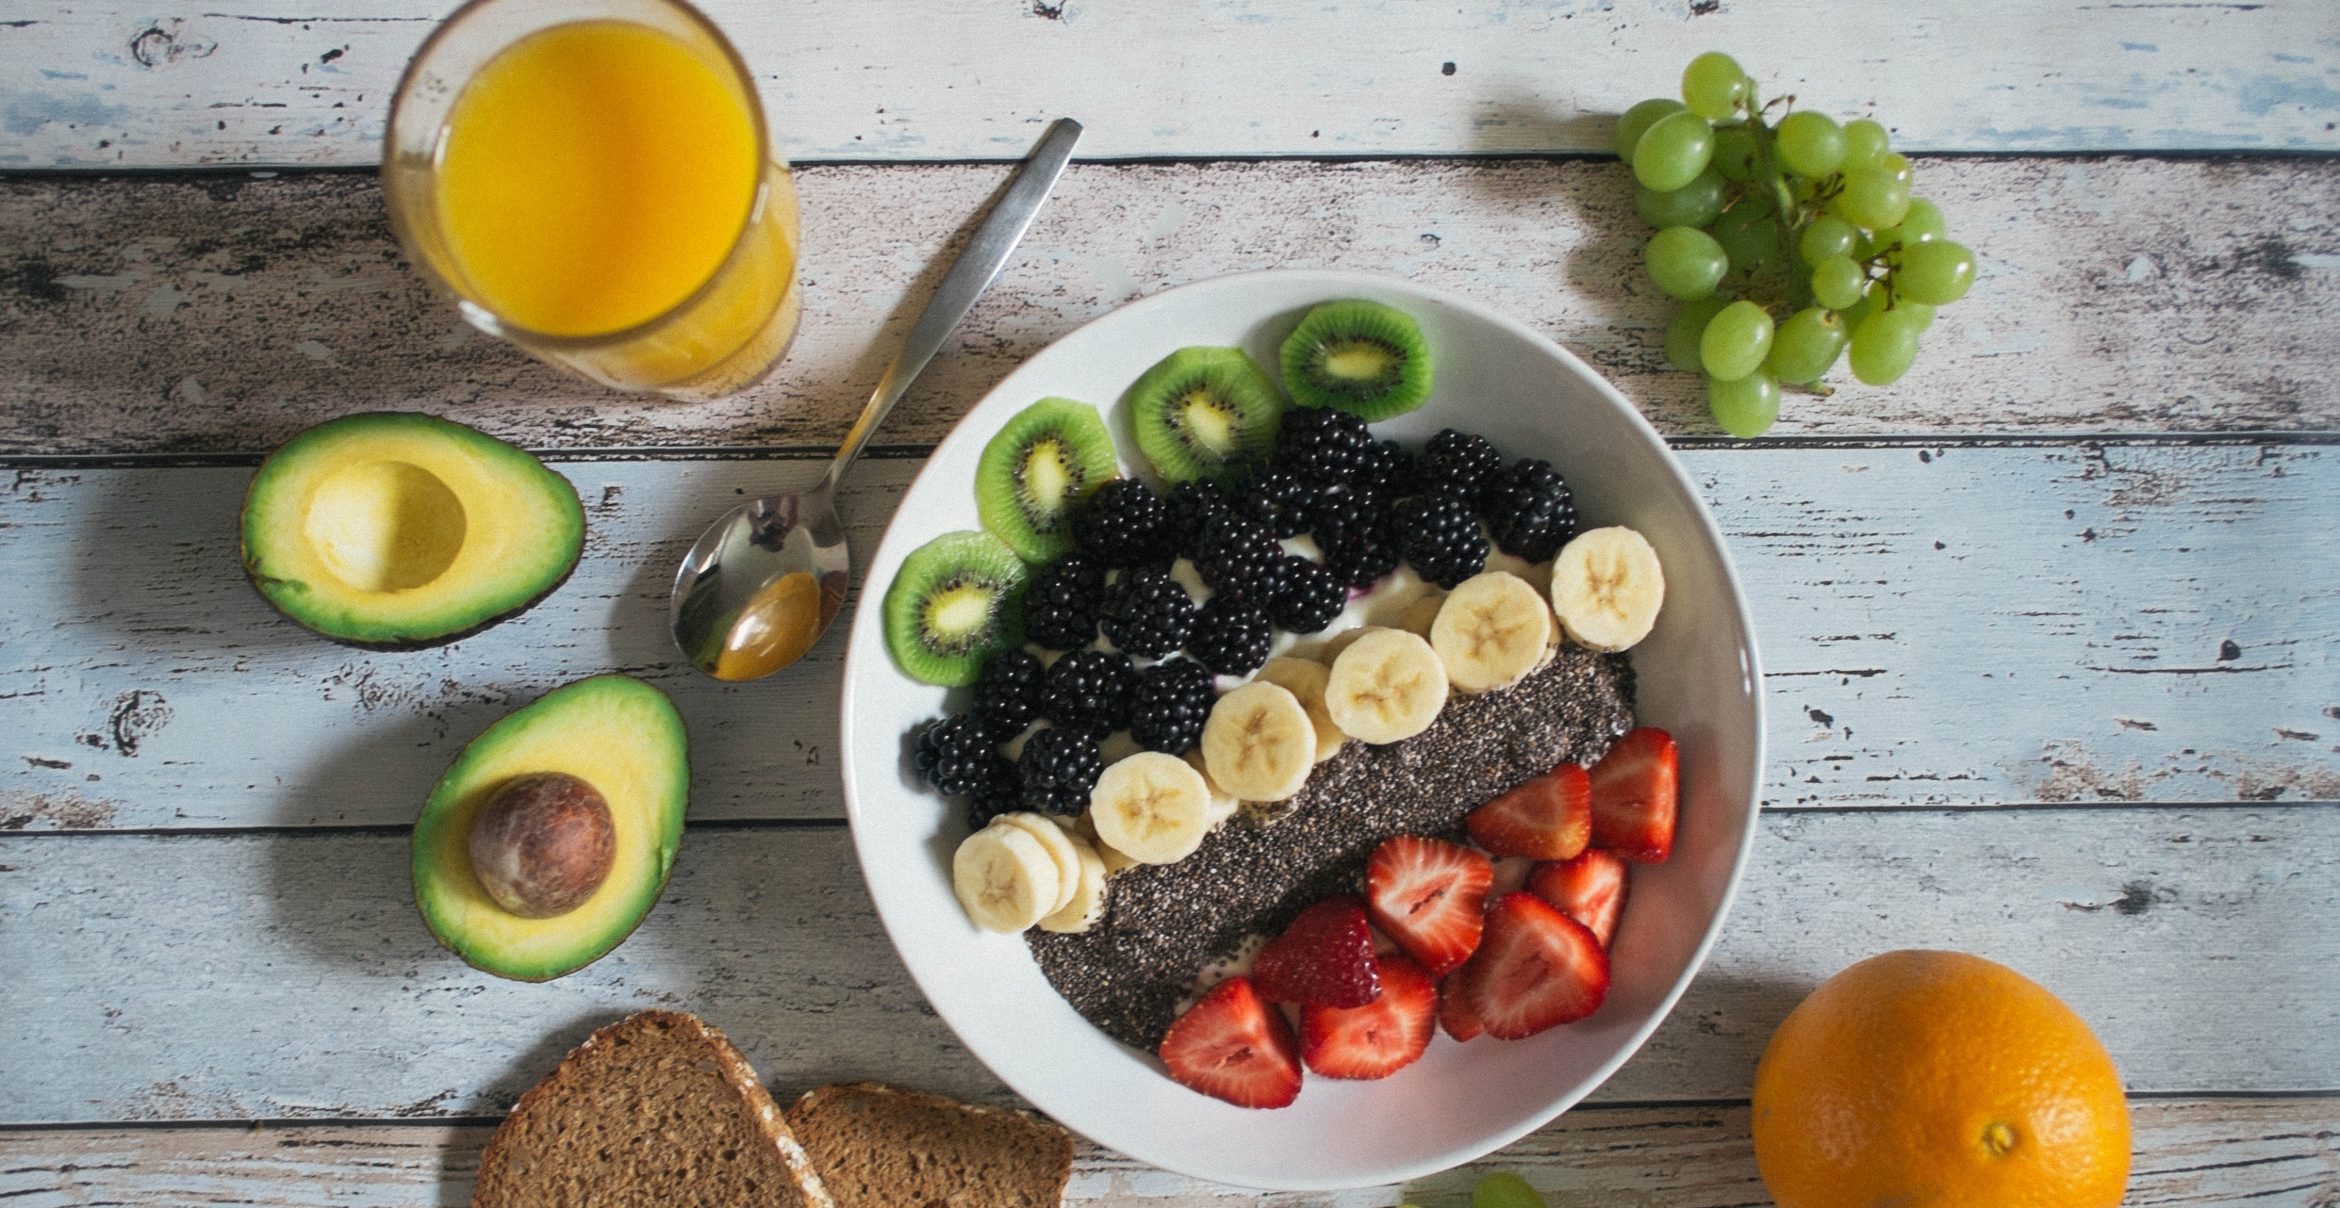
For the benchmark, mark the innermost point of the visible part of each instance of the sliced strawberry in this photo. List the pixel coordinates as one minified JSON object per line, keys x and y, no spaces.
{"x":1325,"y":957}
{"x":1455,"y":1013}
{"x":1633,"y":796}
{"x":1379,"y":1039}
{"x":1537,"y":968}
{"x":1547,"y":818}
{"x":1234,"y":1045}
{"x":1589,"y":889}
{"x":1431,"y":897}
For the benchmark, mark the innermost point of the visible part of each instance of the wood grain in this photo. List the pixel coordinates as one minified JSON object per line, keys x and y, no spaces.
{"x":107,"y":83}
{"x":221,"y":313}
{"x":285,"y":975}
{"x":2192,"y":1152}
{"x":1917,"y":653}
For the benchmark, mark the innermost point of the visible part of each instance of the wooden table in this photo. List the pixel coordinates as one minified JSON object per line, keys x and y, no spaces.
{"x":2052,"y":623}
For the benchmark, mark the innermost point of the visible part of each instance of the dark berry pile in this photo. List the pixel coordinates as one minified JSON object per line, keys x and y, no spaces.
{"x":1231,"y":638}
{"x":1242,"y":562}
{"x":1088,"y":690}
{"x":1125,"y":525}
{"x":1059,"y":768}
{"x":1528,"y":509}
{"x":1462,"y":460}
{"x":1323,"y":444}
{"x":954,"y":755}
{"x":1172,"y":702}
{"x":1148,"y":613}
{"x":1351,"y":527}
{"x":1437,"y":533}
{"x":1309,"y":598}
{"x":1194,"y":508}
{"x":1062,"y":603}
{"x":1012,"y":692}
{"x":1279,"y":499}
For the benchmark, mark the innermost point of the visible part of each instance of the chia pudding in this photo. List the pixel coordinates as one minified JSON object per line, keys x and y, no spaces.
{"x":1166,"y":924}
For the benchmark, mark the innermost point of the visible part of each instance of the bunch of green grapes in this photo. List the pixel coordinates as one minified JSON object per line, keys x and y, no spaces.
{"x":1790,"y":241}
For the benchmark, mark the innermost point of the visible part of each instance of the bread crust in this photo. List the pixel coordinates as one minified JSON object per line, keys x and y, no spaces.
{"x":1037,"y":1127}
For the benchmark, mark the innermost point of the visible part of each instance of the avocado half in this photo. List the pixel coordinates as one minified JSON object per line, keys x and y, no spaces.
{"x":395,"y":531}
{"x":614,"y":732}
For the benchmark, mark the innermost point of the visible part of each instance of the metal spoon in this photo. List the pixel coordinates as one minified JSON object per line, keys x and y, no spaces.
{"x":764,"y":581}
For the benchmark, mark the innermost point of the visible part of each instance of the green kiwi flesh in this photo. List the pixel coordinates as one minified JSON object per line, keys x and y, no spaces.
{"x":1359,"y":356}
{"x":1037,"y":471}
{"x":1203,"y":413}
{"x":956,"y":601}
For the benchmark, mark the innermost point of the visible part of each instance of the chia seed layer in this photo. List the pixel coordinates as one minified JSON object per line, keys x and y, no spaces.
{"x":1165,"y":924}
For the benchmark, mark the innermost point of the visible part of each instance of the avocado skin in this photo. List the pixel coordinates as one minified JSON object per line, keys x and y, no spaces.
{"x":574,"y":513}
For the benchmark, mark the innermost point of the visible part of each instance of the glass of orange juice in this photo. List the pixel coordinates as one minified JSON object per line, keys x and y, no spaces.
{"x":593,"y":180}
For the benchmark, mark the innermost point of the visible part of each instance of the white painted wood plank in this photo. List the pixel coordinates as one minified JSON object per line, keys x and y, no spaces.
{"x":2189,"y":1152}
{"x":221,"y":313}
{"x":105,"y":83}
{"x":1956,"y":626}
{"x":283,"y":975}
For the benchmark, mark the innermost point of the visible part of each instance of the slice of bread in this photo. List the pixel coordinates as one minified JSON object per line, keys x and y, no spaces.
{"x":654,"y":1110}
{"x":883,"y":1147}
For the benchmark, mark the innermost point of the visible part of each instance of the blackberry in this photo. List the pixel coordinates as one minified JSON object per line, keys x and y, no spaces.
{"x":1528,"y":509}
{"x":1463,"y":461}
{"x":1439,"y":535}
{"x":1351,"y":527}
{"x":1323,"y":443}
{"x":1279,"y":499}
{"x":1230,"y":638}
{"x":1125,"y":525}
{"x":1089,"y":690}
{"x":1000,"y":793}
{"x":1173,"y":701}
{"x":1242,"y":561}
{"x":1194,"y":507}
{"x":1011,"y":692}
{"x":1148,"y":613}
{"x":954,"y":755}
{"x":1389,"y":469}
{"x":1311,"y":596}
{"x":1061,"y":605}
{"x":1059,"y":768}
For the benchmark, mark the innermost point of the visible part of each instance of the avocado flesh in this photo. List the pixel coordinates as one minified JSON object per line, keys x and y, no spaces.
{"x":396,"y":530}
{"x":614,"y":732}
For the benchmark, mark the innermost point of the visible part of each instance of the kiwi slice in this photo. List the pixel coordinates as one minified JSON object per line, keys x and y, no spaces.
{"x":956,"y":600}
{"x":1204,"y":413}
{"x":1359,"y":356}
{"x":1037,"y":471}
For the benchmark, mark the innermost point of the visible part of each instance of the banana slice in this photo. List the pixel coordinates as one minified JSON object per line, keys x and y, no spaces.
{"x":1305,"y":680}
{"x":1005,"y":880}
{"x":1223,"y":803}
{"x":1491,"y":632}
{"x":1086,"y":905}
{"x":1422,"y":614}
{"x":1063,"y":850}
{"x":1607,"y":587}
{"x":1151,"y":807}
{"x":1386,"y":686}
{"x":1258,"y":743}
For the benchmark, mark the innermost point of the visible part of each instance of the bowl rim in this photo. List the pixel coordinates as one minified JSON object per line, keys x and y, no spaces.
{"x":1338,"y":283}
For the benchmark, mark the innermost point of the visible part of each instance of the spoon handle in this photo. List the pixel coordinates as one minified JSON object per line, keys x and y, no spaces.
{"x":977,"y":266}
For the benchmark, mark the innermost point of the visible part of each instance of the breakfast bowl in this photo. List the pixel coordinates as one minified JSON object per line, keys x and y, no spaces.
{"x":1697,"y":676}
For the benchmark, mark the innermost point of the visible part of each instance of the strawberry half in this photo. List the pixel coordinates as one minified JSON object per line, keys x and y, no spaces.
{"x":1376,"y":1040}
{"x":1431,"y":897}
{"x":1589,"y":889}
{"x":1234,"y":1045}
{"x":1325,"y":958}
{"x":1633,"y":796}
{"x":1537,"y":968}
{"x":1547,"y":818}
{"x":1455,"y":1013}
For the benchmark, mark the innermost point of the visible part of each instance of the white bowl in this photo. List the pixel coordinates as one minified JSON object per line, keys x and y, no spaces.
{"x":1697,"y":677}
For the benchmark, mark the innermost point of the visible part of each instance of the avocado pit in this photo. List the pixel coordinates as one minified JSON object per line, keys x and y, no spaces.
{"x":542,"y":844}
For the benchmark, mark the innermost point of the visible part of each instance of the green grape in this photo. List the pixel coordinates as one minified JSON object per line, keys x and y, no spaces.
{"x":1937,"y":272}
{"x":1685,"y":262}
{"x":1735,"y":341}
{"x":1685,"y":330}
{"x":1884,"y":345}
{"x":1736,"y":153}
{"x":1864,"y":144}
{"x":1920,"y":311}
{"x":1873,"y":198}
{"x":1744,"y":406}
{"x":1810,"y":143}
{"x":1805,"y":347}
{"x":1826,"y":238}
{"x":1693,"y":205}
{"x":1921,"y":223}
{"x":1748,"y":234}
{"x":1637,"y":121}
{"x":1714,"y":85}
{"x":1673,"y":151}
{"x":1897,"y":164}
{"x":1837,"y":282}
{"x":1505,"y":1190}
{"x":1861,"y":309}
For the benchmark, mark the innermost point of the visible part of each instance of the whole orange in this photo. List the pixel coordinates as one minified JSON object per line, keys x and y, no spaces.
{"x":1933,"y":1079}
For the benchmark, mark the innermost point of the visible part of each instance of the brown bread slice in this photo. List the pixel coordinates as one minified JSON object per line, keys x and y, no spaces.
{"x":655,"y":1110}
{"x":883,"y":1147}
